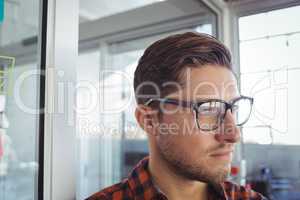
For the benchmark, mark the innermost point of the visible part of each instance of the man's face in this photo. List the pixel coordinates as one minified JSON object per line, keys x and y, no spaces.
{"x":192,"y":153}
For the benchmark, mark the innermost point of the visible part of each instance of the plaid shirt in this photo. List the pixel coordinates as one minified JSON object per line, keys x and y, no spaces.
{"x":138,"y":186}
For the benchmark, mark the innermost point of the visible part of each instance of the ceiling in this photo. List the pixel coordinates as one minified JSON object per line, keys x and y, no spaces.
{"x":95,"y":9}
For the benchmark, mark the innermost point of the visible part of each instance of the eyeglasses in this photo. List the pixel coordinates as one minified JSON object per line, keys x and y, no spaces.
{"x":210,"y":114}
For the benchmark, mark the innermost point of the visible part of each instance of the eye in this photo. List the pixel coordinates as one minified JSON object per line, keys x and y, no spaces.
{"x":206,"y":109}
{"x":234,"y":108}
{"x":210,"y":108}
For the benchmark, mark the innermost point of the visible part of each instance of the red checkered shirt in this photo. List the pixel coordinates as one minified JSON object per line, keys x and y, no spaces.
{"x":138,"y":186}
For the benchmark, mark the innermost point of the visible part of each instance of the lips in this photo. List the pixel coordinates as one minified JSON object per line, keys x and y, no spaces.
{"x":222,"y":153}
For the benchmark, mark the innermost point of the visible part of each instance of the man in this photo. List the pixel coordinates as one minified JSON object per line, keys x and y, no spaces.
{"x":188,"y":103}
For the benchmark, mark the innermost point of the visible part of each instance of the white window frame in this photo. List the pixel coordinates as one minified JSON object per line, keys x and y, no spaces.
{"x":60,"y":136}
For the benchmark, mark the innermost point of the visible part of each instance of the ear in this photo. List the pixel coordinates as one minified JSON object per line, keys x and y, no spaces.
{"x":146,"y":118}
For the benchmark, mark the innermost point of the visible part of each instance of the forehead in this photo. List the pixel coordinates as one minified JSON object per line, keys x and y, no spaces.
{"x":208,"y":81}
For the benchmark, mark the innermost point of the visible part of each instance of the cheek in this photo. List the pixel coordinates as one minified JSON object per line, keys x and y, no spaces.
{"x":193,"y":147}
{"x":199,"y":143}
{"x":180,"y":123}
{"x":180,"y":135}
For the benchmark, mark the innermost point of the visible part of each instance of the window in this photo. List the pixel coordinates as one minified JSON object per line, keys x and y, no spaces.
{"x":270,"y":71}
{"x":19,"y":100}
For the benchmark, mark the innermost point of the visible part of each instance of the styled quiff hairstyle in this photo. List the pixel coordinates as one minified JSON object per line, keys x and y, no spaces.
{"x":166,"y":60}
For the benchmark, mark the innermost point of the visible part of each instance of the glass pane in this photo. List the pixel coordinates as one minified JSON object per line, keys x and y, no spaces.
{"x":92,"y":9}
{"x":257,"y":135}
{"x":260,"y":87}
{"x":291,"y":135}
{"x":20,"y":22}
{"x":267,"y":24}
{"x":19,"y":100}
{"x":280,"y":113}
{"x":88,"y":105}
{"x":253,"y":26}
{"x":286,"y":19}
{"x":264,"y":54}
{"x":293,"y":51}
{"x":270,"y":73}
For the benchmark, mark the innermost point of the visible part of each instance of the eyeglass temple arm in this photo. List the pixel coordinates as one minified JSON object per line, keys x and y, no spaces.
{"x":170,"y":101}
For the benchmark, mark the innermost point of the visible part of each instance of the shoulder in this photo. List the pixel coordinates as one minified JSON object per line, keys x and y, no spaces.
{"x":117,"y":191}
{"x":240,"y":192}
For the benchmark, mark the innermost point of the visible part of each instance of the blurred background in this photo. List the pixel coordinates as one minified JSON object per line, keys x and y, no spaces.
{"x":55,"y":53}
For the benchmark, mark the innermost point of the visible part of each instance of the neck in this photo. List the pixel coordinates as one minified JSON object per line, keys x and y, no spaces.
{"x":174,"y":186}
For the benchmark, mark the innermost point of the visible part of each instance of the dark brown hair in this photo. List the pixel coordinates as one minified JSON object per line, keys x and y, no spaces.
{"x":166,"y":59}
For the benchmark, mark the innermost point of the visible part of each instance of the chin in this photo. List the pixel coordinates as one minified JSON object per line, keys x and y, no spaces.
{"x":221,"y":175}
{"x":221,"y":172}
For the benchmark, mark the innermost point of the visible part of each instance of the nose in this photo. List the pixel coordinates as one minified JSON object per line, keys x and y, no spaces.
{"x":228,"y":131}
